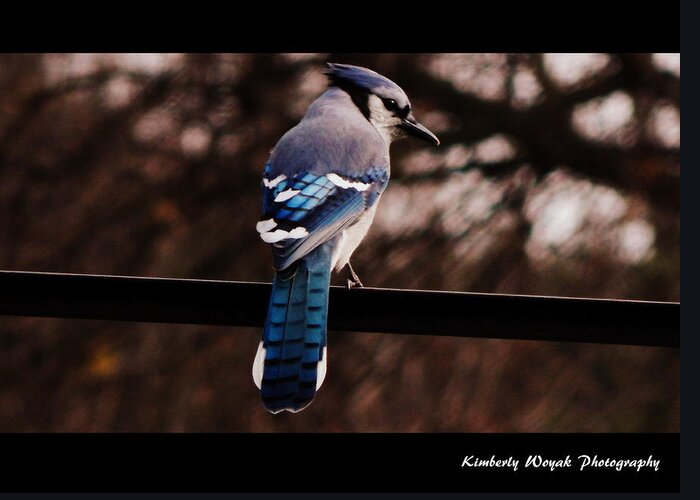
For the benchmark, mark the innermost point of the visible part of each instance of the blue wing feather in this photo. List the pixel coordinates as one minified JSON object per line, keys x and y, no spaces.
{"x":320,"y":206}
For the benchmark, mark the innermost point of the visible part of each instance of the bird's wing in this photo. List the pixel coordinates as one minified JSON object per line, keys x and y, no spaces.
{"x":307,"y":209}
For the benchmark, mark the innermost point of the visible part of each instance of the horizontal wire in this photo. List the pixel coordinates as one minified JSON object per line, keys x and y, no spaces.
{"x":377,"y":310}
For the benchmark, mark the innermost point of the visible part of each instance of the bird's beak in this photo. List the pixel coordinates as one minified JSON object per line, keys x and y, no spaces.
{"x":412,"y":127}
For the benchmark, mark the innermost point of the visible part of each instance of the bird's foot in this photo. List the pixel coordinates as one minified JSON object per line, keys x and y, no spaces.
{"x":354,"y":284}
{"x":354,"y":279}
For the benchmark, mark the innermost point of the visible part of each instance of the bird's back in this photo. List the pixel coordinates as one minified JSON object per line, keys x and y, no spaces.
{"x":332,"y":136}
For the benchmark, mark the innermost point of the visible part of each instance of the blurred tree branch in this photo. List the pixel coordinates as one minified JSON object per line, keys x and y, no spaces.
{"x":545,"y":134}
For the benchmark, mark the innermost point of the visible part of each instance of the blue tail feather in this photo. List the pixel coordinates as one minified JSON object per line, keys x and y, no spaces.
{"x":294,"y":336}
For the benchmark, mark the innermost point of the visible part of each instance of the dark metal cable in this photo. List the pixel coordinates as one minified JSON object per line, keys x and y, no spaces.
{"x":418,"y":312}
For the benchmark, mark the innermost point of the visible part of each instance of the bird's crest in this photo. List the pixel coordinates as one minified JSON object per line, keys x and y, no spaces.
{"x":342,"y":75}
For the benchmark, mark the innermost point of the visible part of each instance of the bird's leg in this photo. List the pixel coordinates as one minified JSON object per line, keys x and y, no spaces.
{"x":354,"y":279}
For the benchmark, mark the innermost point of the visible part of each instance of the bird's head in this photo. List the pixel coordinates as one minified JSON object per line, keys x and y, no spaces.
{"x":381,"y":101}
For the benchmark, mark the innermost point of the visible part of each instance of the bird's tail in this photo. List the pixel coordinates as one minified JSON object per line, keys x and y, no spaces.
{"x":290,"y":364}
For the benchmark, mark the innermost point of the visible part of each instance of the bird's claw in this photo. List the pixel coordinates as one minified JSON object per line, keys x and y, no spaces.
{"x":354,"y":279}
{"x":354,"y":283}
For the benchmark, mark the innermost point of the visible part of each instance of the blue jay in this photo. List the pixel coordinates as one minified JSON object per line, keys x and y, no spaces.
{"x":320,"y":190}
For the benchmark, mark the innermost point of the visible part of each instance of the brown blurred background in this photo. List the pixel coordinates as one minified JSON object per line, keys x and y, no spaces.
{"x":558,"y":175}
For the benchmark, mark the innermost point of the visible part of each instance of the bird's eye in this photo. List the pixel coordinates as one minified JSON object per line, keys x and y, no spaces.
{"x":390,"y":104}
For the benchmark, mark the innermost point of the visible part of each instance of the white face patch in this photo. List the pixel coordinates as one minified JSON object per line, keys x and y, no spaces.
{"x":281,"y":234}
{"x":273,"y":182}
{"x":285,"y":195}
{"x":346,"y":184}
{"x":383,"y":120}
{"x":265,"y":225}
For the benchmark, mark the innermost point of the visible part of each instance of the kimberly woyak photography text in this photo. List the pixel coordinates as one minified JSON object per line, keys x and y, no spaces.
{"x":584,"y":461}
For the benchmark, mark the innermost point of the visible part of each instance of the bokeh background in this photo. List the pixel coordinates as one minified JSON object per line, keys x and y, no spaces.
{"x":558,"y":174}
